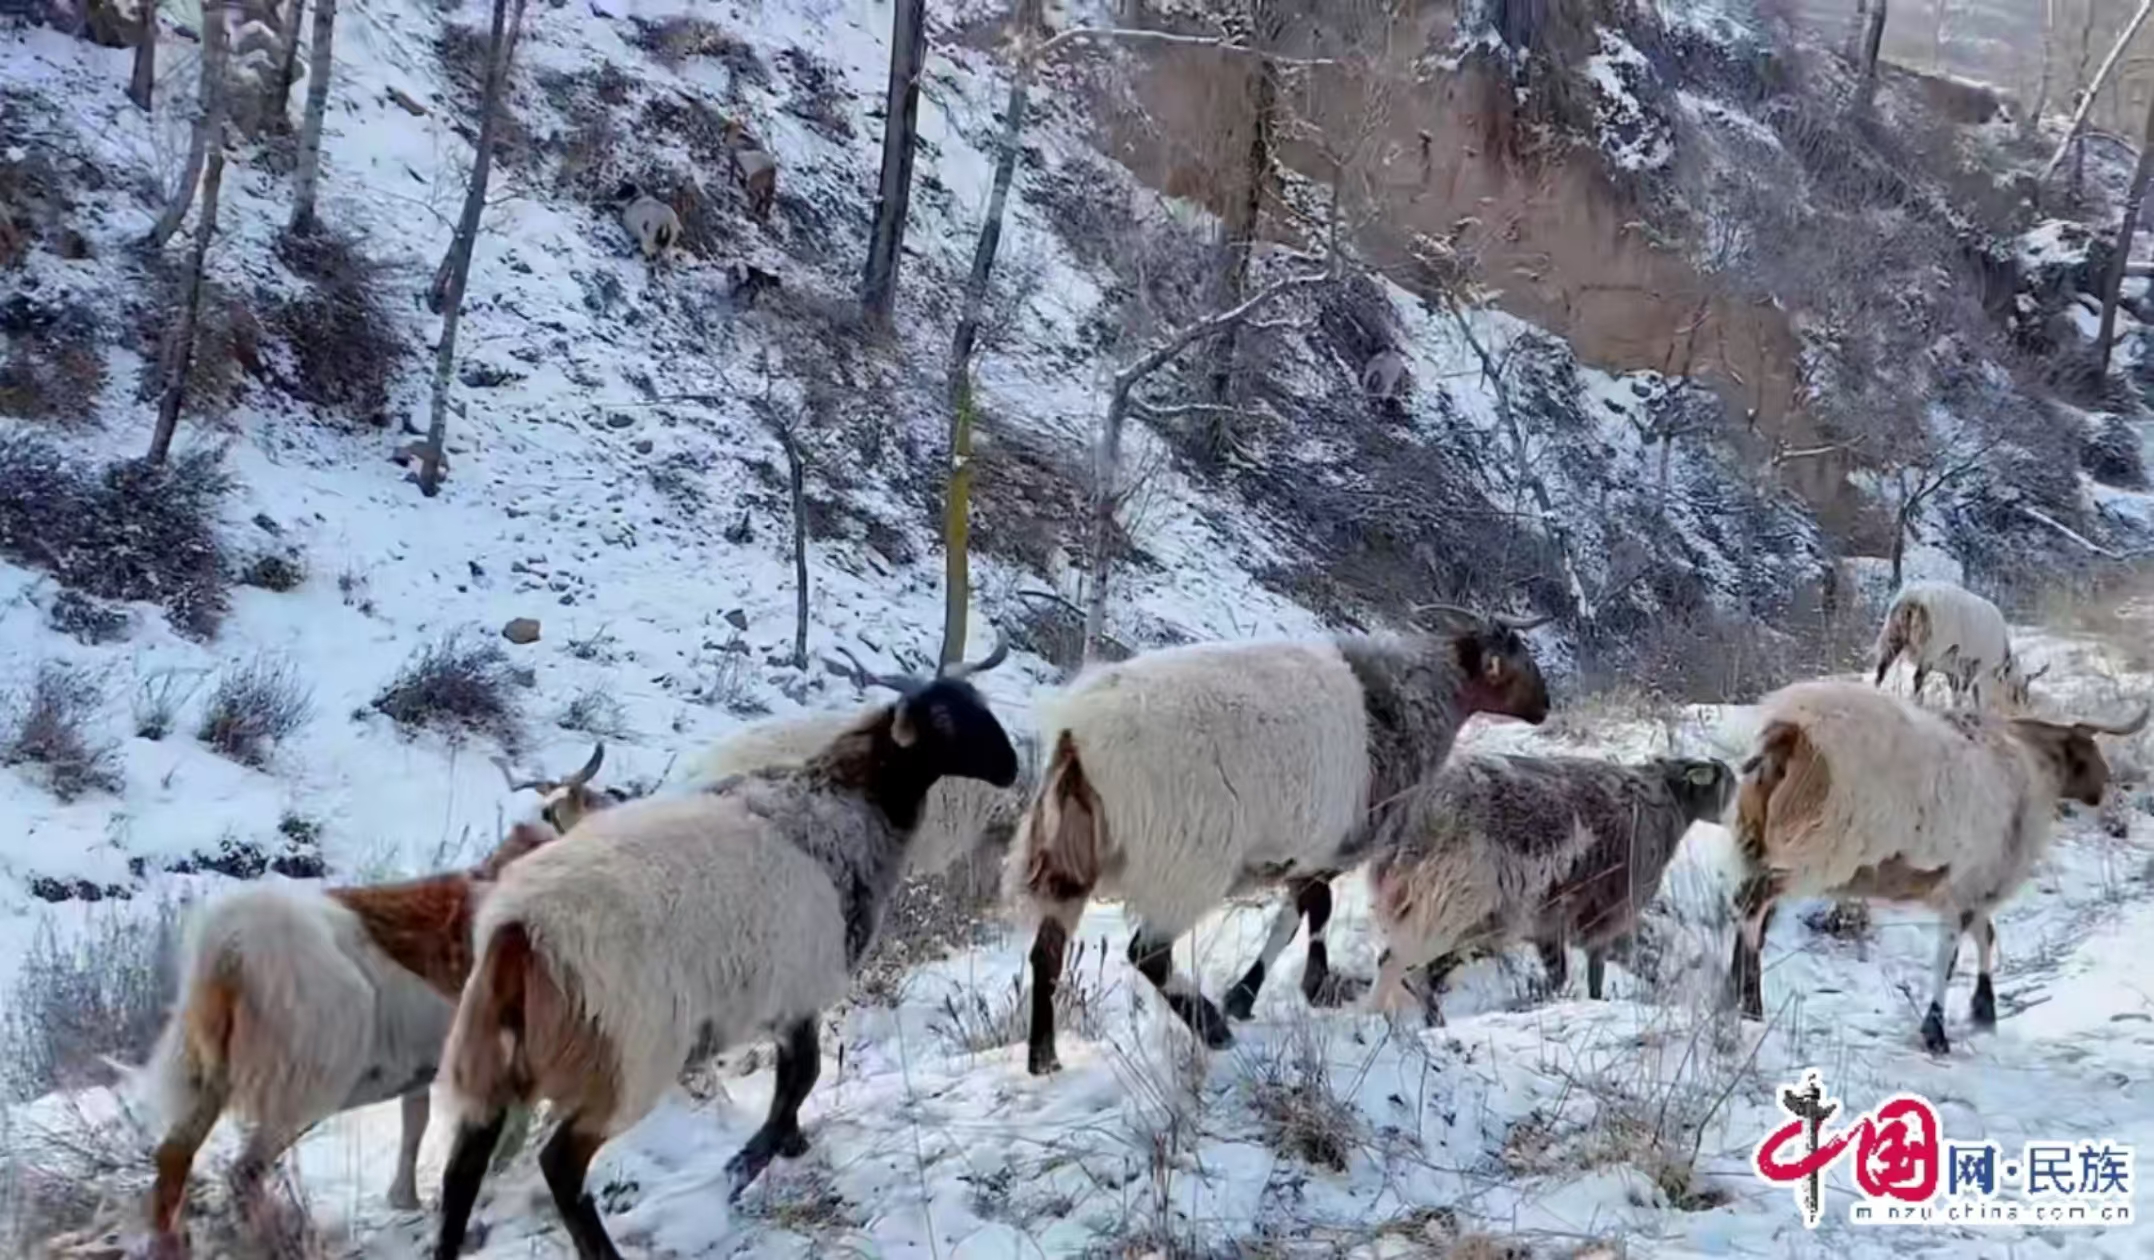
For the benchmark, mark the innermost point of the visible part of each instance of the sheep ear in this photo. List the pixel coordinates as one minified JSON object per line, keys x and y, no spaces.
{"x":1702,"y":775}
{"x":1494,"y":668}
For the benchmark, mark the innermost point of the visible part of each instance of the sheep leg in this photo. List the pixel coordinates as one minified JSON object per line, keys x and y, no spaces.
{"x":1285,"y":921}
{"x":1984,"y":1009}
{"x":1556,"y":963}
{"x":564,"y":1160}
{"x":1320,"y":985}
{"x":1754,"y":906}
{"x":1596,"y":965}
{"x":468,"y":1156}
{"x":264,"y":1146}
{"x":404,"y":1187}
{"x":800,"y":1059}
{"x":175,"y":1157}
{"x":1048,"y":945}
{"x":1391,"y":994}
{"x":1154,"y":957}
{"x":1948,"y":949}
{"x":1434,"y":979}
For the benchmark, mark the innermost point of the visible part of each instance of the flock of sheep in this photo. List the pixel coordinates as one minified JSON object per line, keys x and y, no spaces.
{"x":604,"y":949}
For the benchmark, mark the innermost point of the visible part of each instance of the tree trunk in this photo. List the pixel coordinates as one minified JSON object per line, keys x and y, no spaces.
{"x":1856,"y":25}
{"x":456,"y":266}
{"x":2113,"y":278}
{"x":143,"y":83}
{"x":796,"y":482}
{"x":310,"y":131}
{"x":893,"y":197}
{"x":209,"y":124}
{"x":958,"y":497}
{"x":2094,"y":86}
{"x":957,"y":530}
{"x":1873,"y":41}
{"x":457,"y":261}
{"x":2030,"y":124}
{"x":1240,"y":228}
{"x":180,"y":352}
{"x":1106,"y":471}
{"x":277,"y":108}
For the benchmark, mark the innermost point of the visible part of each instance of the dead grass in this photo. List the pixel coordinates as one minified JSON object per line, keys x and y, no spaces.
{"x":981,"y":1021}
{"x":50,"y":725}
{"x":99,"y":991}
{"x":1291,"y":1093}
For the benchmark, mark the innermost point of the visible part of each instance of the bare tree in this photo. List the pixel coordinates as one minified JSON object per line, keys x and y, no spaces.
{"x":1919,"y":480}
{"x":2094,"y":87}
{"x":796,"y":483}
{"x":142,"y":83}
{"x":2031,"y":120}
{"x":901,"y":136}
{"x":447,"y":294}
{"x":1121,"y":403}
{"x":179,"y":350}
{"x":280,"y":87}
{"x":1873,"y":41}
{"x":310,"y":131}
{"x":208,"y":125}
{"x":1239,"y":231}
{"x":2120,"y":258}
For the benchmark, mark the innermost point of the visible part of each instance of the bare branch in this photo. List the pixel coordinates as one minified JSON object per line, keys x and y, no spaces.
{"x":1212,"y":325}
{"x":2094,"y":88}
{"x":1220,"y":42}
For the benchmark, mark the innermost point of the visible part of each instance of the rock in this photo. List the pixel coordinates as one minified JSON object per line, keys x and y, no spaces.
{"x":643,"y":446}
{"x":619,"y":420}
{"x":737,"y":619}
{"x":521,"y":630}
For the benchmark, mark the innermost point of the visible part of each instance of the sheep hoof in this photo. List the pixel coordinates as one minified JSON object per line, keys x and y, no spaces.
{"x":1042,"y":1062}
{"x":1241,"y":1003}
{"x":404,"y":1198}
{"x":1933,"y":1032}
{"x":1984,"y":1010}
{"x":744,"y":1168}
{"x":1209,"y":1025}
{"x":793,"y":1145}
{"x":1337,"y":990}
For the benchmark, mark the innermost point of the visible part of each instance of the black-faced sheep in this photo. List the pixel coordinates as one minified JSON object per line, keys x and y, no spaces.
{"x":961,"y":816}
{"x":1940,"y":626}
{"x":297,"y":1004}
{"x":694,"y":921}
{"x":1183,"y":776}
{"x":1852,"y":792}
{"x":1554,"y":850}
{"x":653,"y":223}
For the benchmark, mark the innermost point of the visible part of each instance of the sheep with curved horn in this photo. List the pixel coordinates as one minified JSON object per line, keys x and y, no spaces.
{"x":564,"y":801}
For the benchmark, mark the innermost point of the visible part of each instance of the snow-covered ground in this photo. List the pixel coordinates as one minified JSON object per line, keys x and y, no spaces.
{"x":1555,"y":1123}
{"x":1552,"y":1123}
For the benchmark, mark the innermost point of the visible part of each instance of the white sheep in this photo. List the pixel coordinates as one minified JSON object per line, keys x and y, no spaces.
{"x":1381,"y":375}
{"x":673,"y":924}
{"x":1854,"y":792}
{"x":653,"y":223}
{"x":1547,"y":849}
{"x":1941,"y":626}
{"x":961,"y":817}
{"x":296,"y":1004}
{"x":1180,"y":777}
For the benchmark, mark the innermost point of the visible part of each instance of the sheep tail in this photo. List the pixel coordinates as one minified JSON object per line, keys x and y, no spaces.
{"x":1783,"y":791}
{"x":1059,"y":852}
{"x":192,"y":1054}
{"x":480,"y":1059}
{"x":1906,"y":628}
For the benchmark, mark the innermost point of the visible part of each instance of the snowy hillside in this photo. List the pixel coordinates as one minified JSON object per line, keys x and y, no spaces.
{"x":617,"y":474}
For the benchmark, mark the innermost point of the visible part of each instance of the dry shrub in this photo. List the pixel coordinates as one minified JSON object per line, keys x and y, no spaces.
{"x":48,"y":725}
{"x":672,"y":41}
{"x":227,"y":347}
{"x":52,"y":379}
{"x":95,"y":994}
{"x":978,"y":1021}
{"x":1304,"y":1117}
{"x":458,"y":686}
{"x":255,"y":706}
{"x":344,"y":343}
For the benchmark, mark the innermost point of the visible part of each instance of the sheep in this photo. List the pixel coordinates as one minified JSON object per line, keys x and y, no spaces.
{"x":1381,"y":375}
{"x":685,"y":924}
{"x":1549,"y":849}
{"x":1183,"y":776}
{"x":297,"y":1004}
{"x":1853,"y":792}
{"x":1938,"y":625}
{"x":961,"y":817}
{"x":652,"y":222}
{"x":755,"y":168}
{"x":563,"y":802}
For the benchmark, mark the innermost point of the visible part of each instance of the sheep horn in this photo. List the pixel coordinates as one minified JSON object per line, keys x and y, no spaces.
{"x":2132,"y":727}
{"x":1520,"y":625}
{"x":516,"y":784}
{"x":963,"y":669}
{"x":583,"y":776}
{"x":865,"y":679}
